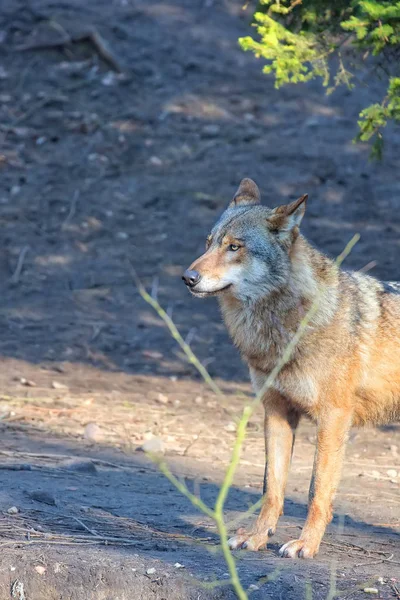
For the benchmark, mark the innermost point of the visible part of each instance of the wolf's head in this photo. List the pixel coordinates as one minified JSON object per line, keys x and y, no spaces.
{"x":248,"y":250}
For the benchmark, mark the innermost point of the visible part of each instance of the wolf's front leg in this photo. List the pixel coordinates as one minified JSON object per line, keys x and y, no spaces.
{"x":279,"y":428}
{"x":332,"y":435}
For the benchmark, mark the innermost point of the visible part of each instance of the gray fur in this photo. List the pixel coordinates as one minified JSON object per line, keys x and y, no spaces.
{"x":269,"y":267}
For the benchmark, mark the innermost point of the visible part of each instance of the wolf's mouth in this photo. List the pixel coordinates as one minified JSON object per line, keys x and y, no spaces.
{"x":201,"y":294}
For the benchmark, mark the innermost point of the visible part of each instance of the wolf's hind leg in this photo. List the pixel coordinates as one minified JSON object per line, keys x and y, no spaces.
{"x":279,"y":428}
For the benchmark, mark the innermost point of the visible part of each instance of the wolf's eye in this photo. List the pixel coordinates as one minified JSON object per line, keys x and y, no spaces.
{"x":233,"y":247}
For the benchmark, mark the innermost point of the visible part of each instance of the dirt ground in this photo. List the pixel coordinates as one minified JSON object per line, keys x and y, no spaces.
{"x":98,"y":167}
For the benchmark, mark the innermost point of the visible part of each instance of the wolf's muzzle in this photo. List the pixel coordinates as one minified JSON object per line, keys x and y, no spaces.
{"x":191,"y":277}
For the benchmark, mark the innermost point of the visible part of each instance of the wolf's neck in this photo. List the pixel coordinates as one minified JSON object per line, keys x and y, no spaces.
{"x":268,"y":324}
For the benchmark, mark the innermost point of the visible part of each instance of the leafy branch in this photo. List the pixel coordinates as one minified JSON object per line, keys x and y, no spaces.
{"x":297,"y":40}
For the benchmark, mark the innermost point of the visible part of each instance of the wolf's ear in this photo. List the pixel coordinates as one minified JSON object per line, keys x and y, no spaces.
{"x":285,"y":218}
{"x":247,"y":193}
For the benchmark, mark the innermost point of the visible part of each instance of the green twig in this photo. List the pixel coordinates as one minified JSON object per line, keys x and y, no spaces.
{"x":192,"y":358}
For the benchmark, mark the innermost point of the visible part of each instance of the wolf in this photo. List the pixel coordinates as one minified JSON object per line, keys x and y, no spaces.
{"x":344,"y":369}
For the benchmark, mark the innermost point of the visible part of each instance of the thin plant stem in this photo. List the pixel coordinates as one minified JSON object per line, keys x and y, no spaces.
{"x":192,"y":358}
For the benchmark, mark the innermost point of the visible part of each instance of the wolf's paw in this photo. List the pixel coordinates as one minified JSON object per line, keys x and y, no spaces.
{"x":249,"y":541}
{"x":299,"y":549}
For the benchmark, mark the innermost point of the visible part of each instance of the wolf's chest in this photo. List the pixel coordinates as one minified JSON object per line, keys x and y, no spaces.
{"x":297,"y":386}
{"x":260,"y":337}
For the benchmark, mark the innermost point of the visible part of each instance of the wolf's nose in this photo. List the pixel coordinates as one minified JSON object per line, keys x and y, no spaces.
{"x":191,"y":277}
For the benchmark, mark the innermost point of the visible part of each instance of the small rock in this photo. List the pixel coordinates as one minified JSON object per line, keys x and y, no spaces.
{"x":27,"y":382}
{"x":376,"y":474}
{"x":177,"y":402}
{"x":155,"y":161}
{"x":109,"y":79}
{"x":122,"y":235}
{"x":312,"y":122}
{"x":150,"y":571}
{"x":154,"y":445}
{"x":40,"y":569}
{"x":253,"y":587}
{"x":79,"y":465}
{"x":92,"y":432}
{"x":13,"y":510}
{"x":162,"y":399}
{"x":22,"y":132}
{"x":248,"y":117}
{"x":211,"y":130}
{"x":371,"y":590}
{"x":42,"y":496}
{"x":56,"y":385}
{"x":152,"y":354}
{"x":381,"y":580}
{"x":198,"y":400}
{"x":230,"y":427}
{"x":179,"y":566}
{"x":392,"y":473}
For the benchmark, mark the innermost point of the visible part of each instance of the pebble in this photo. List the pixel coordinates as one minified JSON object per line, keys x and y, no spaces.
{"x":154,"y":445}
{"x":41,"y":570}
{"x":13,"y":510}
{"x":371,"y":590}
{"x":230,"y":427}
{"x":109,"y":79}
{"x":211,"y":130}
{"x":27,"y":382}
{"x":122,"y":235}
{"x":22,"y":132}
{"x":162,"y":398}
{"x":79,"y":465}
{"x":253,"y":587}
{"x":155,"y":161}
{"x":152,"y":354}
{"x":42,"y":496}
{"x":56,"y":385}
{"x":179,"y":566}
{"x":150,"y":571}
{"x":92,"y":432}
{"x":392,"y":473}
